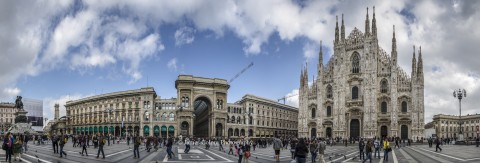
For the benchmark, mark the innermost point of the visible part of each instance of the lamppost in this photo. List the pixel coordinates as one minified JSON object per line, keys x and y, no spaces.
{"x":109,"y":111}
{"x":460,"y":94}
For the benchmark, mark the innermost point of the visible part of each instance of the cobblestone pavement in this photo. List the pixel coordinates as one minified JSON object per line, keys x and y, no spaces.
{"x":122,"y":153}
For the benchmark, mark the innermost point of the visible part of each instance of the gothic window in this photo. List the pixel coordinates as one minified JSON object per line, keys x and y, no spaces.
{"x":239,"y":120}
{"x":404,"y":107}
{"x":187,"y":101}
{"x":329,"y":111}
{"x":313,"y":112}
{"x":384,"y":86}
{"x":164,"y":116}
{"x":329,"y":91}
{"x":384,"y":107}
{"x":250,"y":120}
{"x":355,"y":63}
{"x":354,"y":93}
{"x":233,"y":119}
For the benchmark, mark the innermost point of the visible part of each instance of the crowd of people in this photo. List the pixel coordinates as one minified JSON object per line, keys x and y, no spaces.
{"x":300,"y":148}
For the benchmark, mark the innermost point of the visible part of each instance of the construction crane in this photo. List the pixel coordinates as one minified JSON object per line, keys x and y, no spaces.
{"x":240,"y":73}
{"x":286,"y":97}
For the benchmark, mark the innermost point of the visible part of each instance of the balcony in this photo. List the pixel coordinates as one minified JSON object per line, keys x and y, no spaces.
{"x":404,"y":115}
{"x":349,"y":102}
{"x":383,"y":115}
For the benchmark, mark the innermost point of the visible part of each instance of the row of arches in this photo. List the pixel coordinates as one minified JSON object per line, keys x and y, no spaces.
{"x":159,"y":117}
{"x":163,"y":131}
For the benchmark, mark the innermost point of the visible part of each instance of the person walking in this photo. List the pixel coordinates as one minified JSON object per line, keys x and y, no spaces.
{"x":293,"y":146}
{"x":17,"y":148}
{"x":313,"y":150}
{"x":376,"y":145}
{"x":101,"y":143}
{"x":8,"y":147}
{"x":438,"y":142}
{"x":246,"y":153}
{"x":277,"y":145}
{"x":230,"y":149}
{"x":301,"y":151}
{"x":136,"y":145}
{"x":187,"y":145}
{"x":55,"y":143}
{"x":169,"y":148}
{"x":368,"y":150}
{"x":108,"y":139}
{"x":321,"y":151}
{"x":386,"y":149}
{"x":83,"y":144}
{"x":26,"y":138}
{"x":361,"y":147}
{"x":240,"y":150}
{"x":62,"y":141}
{"x":128,"y":140}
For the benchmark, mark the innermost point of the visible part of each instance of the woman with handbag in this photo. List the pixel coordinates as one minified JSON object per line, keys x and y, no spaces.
{"x":386,"y":149}
{"x":17,"y":148}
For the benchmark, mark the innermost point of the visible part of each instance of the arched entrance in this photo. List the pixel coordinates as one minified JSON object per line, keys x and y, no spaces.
{"x":237,"y":132}
{"x":184,"y":129}
{"x":383,"y":131}
{"x":219,"y":130}
{"x":250,"y":132}
{"x":164,"y":131}
{"x":202,"y":119}
{"x":117,"y":131}
{"x":404,"y":132}
{"x":354,"y":128}
{"x":242,"y":132}
{"x":230,"y":132}
{"x":156,"y":131}
{"x":146,"y":130}
{"x":329,"y":132}
{"x":171,"y":131}
{"x":136,"y":130}
{"x":313,"y":133}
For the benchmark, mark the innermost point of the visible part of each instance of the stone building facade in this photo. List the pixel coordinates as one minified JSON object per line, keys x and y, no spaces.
{"x":447,"y":126}
{"x":7,"y":116}
{"x":362,"y":91}
{"x":199,"y":110}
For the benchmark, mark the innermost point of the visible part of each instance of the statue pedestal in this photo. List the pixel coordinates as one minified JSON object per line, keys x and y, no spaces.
{"x":460,"y":140}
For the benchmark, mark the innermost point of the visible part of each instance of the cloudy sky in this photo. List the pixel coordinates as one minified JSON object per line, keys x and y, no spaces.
{"x":64,"y":50}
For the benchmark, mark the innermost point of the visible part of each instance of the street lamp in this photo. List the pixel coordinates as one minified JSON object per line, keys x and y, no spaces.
{"x":460,"y":94}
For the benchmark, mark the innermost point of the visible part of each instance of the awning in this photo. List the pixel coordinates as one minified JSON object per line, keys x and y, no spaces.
{"x":156,"y":129}
{"x":164,"y":128}
{"x":171,"y":129}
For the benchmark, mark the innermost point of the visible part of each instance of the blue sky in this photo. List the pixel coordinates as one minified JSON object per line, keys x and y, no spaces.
{"x":59,"y":51}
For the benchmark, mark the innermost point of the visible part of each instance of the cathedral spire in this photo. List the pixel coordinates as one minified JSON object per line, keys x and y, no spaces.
{"x":343,"y":30}
{"x":336,"y":32}
{"x":306,"y":74}
{"x":420,"y":64}
{"x":301,"y":78}
{"x":367,"y":25}
{"x":374,"y":24}
{"x":394,"y":48}
{"x":320,"y":55}
{"x":414,"y":64}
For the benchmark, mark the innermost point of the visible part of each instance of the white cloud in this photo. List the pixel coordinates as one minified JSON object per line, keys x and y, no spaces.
{"x":184,"y":35}
{"x":310,"y":50}
{"x":49,"y":104}
{"x":172,"y":64}
{"x":11,"y":92}
{"x":292,"y":99}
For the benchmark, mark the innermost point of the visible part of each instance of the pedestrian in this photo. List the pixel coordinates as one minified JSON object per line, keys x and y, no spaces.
{"x":361,"y":147}
{"x":231,"y":148}
{"x":136,"y":145}
{"x":8,"y":147}
{"x":62,"y":141}
{"x":277,"y":145}
{"x":55,"y":143}
{"x":128,"y":140}
{"x":220,"y":145}
{"x":477,"y":141}
{"x":321,"y":151}
{"x":246,"y":152}
{"x":169,"y":148}
{"x":240,"y":151}
{"x":386,"y":149}
{"x":83,"y":144}
{"x":313,"y":150}
{"x":17,"y":148}
{"x":301,"y":151}
{"x":101,"y":143}
{"x":187,"y":145}
{"x":108,"y":139}
{"x":293,"y":145}
{"x":155,"y":143}
{"x":438,"y":142}
{"x":25,"y":141}
{"x":368,"y":150}
{"x":376,"y":145}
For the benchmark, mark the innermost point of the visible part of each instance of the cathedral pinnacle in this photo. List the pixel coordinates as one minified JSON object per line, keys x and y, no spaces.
{"x":394,"y":48}
{"x":367,"y":25}
{"x":343,"y":30}
{"x":374,"y":24}
{"x":320,"y":55}
{"x":336,"y":32}
{"x":414,"y":64}
{"x":420,"y":63}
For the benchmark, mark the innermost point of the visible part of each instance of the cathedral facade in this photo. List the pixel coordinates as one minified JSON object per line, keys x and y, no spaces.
{"x":361,"y":91}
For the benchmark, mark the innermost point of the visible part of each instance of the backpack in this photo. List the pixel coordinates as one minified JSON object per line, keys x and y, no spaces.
{"x":104,"y":141}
